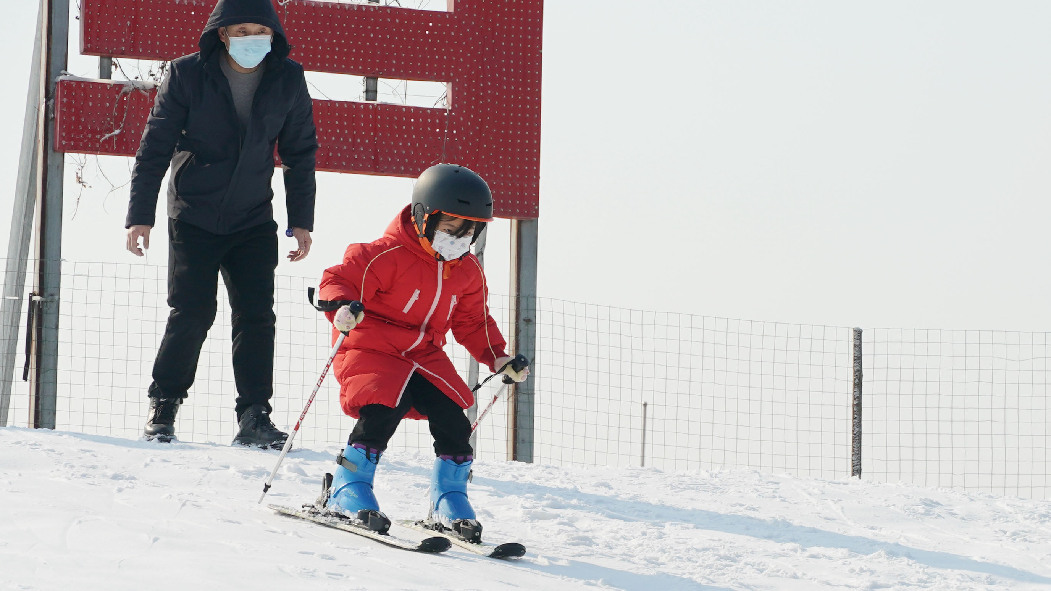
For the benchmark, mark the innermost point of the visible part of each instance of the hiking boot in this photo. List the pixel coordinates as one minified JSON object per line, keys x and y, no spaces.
{"x":160,"y":425}
{"x":255,"y":428}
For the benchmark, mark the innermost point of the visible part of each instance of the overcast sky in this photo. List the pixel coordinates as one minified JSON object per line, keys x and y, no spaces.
{"x":861,"y":164}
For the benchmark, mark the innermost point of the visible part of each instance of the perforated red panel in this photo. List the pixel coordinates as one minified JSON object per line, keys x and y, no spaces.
{"x":489,"y":51}
{"x":100,"y":117}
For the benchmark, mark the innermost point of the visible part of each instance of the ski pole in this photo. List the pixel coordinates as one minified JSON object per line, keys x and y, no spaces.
{"x":355,"y":307}
{"x":518,"y":363}
{"x":500,"y":391}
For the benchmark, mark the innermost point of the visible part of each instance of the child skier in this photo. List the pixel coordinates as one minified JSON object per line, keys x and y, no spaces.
{"x":416,"y":283}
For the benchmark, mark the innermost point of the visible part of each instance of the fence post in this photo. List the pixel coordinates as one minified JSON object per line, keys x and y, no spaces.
{"x":524,"y":237}
{"x":44,"y":387}
{"x":643,"y":434}
{"x":855,"y":432}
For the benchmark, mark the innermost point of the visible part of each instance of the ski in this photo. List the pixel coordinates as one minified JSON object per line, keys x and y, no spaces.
{"x":505,"y":550}
{"x":431,"y":545}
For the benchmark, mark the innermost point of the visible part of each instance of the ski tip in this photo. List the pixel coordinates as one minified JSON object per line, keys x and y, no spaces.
{"x":434,"y":544}
{"x":508,"y":550}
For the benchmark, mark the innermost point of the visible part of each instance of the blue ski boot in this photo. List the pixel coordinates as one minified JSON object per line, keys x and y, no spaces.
{"x":450,"y":509}
{"x":351,"y":490}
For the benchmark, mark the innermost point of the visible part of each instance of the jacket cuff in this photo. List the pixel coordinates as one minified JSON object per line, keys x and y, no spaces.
{"x":306,"y":224}
{"x":492,"y":361}
{"x":139,"y":220}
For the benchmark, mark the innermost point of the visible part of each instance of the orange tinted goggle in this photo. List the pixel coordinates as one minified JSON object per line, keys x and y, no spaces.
{"x":427,"y":216}
{"x":463,"y":217}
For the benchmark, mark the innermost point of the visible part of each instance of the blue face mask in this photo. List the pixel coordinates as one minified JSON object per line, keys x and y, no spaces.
{"x":248,"y":51}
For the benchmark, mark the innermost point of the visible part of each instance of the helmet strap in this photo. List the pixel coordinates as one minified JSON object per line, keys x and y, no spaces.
{"x":419,"y":219}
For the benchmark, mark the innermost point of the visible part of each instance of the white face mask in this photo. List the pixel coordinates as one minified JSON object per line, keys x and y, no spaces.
{"x":450,"y":247}
{"x":249,"y":51}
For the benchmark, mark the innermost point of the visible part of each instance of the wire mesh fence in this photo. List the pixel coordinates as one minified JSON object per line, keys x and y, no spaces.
{"x":959,"y":408}
{"x":113,"y":317}
{"x":613,"y":387}
{"x":717,"y":392}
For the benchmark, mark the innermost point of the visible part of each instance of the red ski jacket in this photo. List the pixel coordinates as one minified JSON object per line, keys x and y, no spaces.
{"x":411,"y":302}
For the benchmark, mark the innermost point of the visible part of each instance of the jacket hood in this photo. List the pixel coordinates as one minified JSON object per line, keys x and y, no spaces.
{"x":403,"y":231}
{"x":232,"y":12}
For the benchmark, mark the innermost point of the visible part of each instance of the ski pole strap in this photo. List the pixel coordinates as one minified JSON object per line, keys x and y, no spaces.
{"x":482,"y":383}
{"x":330,"y":305}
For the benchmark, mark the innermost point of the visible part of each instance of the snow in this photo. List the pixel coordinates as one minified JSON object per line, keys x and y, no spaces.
{"x":101,"y":513}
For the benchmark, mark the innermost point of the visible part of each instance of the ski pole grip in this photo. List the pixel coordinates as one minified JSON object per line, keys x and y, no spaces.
{"x":356,"y":307}
{"x":519,"y":363}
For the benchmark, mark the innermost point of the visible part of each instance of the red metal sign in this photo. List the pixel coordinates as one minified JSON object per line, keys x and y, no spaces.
{"x":488,"y":51}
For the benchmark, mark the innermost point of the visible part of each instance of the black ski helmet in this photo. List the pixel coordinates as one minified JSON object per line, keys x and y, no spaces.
{"x":450,"y":189}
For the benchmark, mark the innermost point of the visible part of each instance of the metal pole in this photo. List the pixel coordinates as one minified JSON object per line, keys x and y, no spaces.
{"x":472,"y":368}
{"x":523,"y":337}
{"x":643,"y":434}
{"x":855,"y":437}
{"x":372,"y":84}
{"x":44,"y":390}
{"x":105,"y":68}
{"x":21,"y":232}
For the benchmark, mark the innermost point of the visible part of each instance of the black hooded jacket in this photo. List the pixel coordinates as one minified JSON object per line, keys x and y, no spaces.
{"x":220,"y":179}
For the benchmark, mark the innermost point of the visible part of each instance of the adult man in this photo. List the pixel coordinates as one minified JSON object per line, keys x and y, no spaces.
{"x":216,"y":119}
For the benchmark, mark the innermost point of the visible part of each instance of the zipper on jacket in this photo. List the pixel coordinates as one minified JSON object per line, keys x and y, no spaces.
{"x":224,"y":86}
{"x":412,"y":300}
{"x":452,"y":304}
{"x":434,"y":304}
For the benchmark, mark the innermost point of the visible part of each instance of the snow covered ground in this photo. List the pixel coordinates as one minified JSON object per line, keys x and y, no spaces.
{"x":97,"y":513}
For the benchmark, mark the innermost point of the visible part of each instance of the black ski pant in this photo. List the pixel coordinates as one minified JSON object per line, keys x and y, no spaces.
{"x":449,"y":426}
{"x":247,"y":260}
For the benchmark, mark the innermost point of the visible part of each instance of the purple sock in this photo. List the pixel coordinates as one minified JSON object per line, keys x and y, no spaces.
{"x":457,"y":459}
{"x":371,"y":453}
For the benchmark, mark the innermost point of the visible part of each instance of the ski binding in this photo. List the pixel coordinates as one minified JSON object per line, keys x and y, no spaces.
{"x":374,"y":526}
{"x":505,"y":550}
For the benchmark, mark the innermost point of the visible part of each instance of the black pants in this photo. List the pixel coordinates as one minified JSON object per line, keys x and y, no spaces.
{"x":449,"y":426}
{"x":247,"y":260}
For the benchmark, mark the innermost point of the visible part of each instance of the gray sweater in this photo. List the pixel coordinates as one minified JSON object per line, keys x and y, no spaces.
{"x":243,"y":87}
